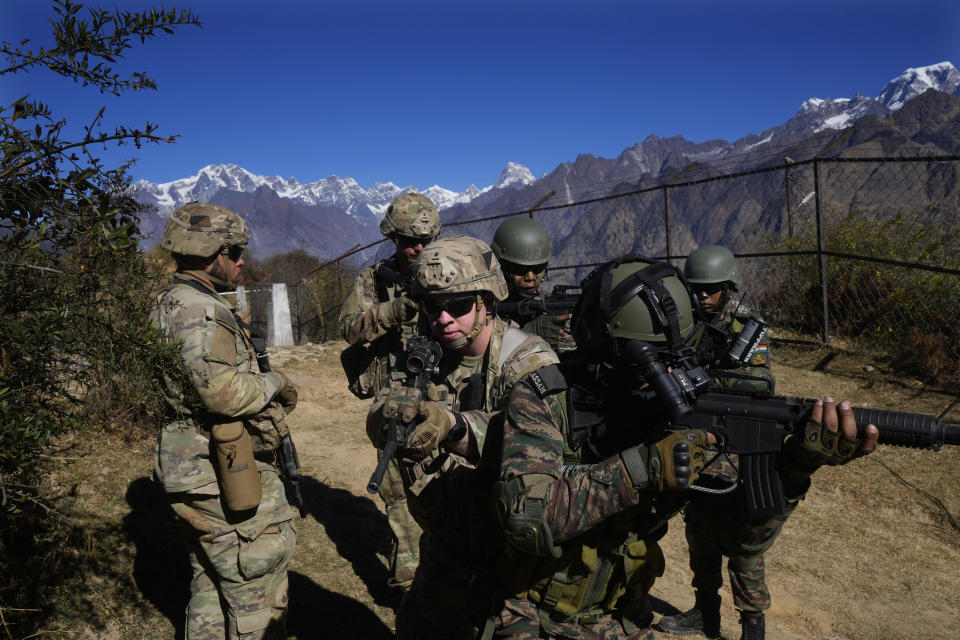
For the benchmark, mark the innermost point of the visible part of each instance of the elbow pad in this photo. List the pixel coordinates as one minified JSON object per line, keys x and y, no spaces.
{"x":521,"y":512}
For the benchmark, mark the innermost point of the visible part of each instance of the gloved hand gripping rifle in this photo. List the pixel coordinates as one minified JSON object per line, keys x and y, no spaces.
{"x":419,"y":360}
{"x":755,"y":424}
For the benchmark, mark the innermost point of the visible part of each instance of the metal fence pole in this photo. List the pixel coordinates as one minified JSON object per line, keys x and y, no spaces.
{"x":786,"y":181}
{"x":821,"y":248}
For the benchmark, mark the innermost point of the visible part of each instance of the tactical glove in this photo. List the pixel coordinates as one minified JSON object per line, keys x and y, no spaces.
{"x":426,"y":437}
{"x":287,"y":396}
{"x":400,"y":401}
{"x":815,"y":446}
{"x":671,"y":464}
{"x":395,"y":312}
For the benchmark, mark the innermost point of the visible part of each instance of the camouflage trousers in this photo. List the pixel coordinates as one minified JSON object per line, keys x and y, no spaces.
{"x":520,"y":620}
{"x":715,"y":533}
{"x":239,"y":585}
{"x":405,"y":553}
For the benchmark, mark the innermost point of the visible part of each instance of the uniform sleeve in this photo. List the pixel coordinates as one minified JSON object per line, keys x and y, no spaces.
{"x":218,"y":367}
{"x":360,"y":315}
{"x":575,"y":498}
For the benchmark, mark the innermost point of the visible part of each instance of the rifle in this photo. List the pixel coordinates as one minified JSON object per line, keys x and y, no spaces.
{"x":755,"y":424}
{"x":561,"y":300}
{"x":419,"y":360}
{"x":288,"y":462}
{"x":393,"y":276}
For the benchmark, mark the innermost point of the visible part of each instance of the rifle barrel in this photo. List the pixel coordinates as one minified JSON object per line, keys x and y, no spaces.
{"x":908,"y":429}
{"x":376,"y":479}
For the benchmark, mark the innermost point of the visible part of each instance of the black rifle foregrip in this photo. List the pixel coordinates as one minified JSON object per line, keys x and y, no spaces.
{"x":907,"y":429}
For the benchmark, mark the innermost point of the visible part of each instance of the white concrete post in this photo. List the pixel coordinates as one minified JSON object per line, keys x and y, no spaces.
{"x":279,"y":327}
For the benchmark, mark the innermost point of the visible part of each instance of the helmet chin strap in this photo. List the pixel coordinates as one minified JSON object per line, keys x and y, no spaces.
{"x":462,"y":341}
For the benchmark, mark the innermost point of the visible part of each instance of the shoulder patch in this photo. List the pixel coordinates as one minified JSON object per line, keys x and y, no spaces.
{"x":547,"y":380}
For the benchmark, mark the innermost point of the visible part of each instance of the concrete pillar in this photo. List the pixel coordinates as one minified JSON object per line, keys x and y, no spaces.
{"x":279,"y":327}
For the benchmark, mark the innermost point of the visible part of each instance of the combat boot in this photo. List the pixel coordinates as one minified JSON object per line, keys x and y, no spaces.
{"x":752,"y":624}
{"x":703,"y":618}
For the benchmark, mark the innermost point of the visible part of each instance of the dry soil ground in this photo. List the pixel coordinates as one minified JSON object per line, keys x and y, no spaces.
{"x":864,"y":556}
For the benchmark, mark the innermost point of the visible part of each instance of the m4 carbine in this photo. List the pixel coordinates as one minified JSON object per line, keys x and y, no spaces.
{"x":419,"y":360}
{"x":561,"y":300}
{"x":755,"y":424}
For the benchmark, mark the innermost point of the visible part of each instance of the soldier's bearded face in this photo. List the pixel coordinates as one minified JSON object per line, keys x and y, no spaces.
{"x":228,"y":268}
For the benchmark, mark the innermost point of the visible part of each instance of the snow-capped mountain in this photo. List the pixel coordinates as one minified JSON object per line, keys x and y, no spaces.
{"x":912,"y":82}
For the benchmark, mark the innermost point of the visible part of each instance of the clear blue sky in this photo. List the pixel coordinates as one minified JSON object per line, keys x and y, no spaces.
{"x":423,"y":92}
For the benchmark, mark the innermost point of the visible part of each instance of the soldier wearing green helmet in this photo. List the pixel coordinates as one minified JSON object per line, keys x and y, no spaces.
{"x":376,"y":318}
{"x":523,"y":248}
{"x":448,"y":460}
{"x":238,"y":551}
{"x":592,"y":468}
{"x":716,"y":528}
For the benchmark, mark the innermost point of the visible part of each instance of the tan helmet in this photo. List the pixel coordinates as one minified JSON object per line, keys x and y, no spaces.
{"x":411,"y":215}
{"x":198,"y":229}
{"x":459,"y":264}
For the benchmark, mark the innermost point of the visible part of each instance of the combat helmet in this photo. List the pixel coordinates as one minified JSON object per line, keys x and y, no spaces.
{"x":198,"y":229}
{"x":712,"y":264}
{"x":459,"y":264}
{"x":632,"y":298}
{"x":413,"y":216}
{"x":521,"y":241}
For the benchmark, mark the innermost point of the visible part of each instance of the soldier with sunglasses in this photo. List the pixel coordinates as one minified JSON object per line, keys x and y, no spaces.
{"x":717,"y":527}
{"x":376,"y":318}
{"x":523,"y":248}
{"x":451,"y":458}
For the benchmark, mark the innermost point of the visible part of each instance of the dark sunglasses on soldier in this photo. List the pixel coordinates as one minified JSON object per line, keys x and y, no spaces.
{"x":513,"y":269}
{"x":234,"y":252}
{"x":456,"y":307}
{"x":710,"y":288}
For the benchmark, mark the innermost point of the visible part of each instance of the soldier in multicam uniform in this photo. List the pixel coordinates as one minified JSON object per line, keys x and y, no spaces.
{"x":450,"y":459}
{"x":523,"y":248}
{"x":239,"y":559}
{"x":718,"y":526}
{"x":375,"y":319}
{"x":589,"y":481}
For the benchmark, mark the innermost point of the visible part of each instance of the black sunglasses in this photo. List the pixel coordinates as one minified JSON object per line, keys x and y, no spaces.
{"x":456,"y":307}
{"x":710,"y":288}
{"x":234,"y":252}
{"x":513,"y":269}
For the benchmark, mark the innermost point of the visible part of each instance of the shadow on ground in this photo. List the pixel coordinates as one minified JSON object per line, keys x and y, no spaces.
{"x":316,"y":612}
{"x":358,"y":530}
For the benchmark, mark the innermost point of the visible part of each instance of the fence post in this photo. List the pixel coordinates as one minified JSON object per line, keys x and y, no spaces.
{"x":821,"y":256}
{"x":786,"y":181}
{"x":666,"y":218}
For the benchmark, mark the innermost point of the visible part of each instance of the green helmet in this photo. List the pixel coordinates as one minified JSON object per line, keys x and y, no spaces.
{"x":632,"y":298}
{"x":198,"y":229}
{"x":411,"y":215}
{"x":458,"y":264}
{"x":711,"y":264}
{"x":521,"y":241}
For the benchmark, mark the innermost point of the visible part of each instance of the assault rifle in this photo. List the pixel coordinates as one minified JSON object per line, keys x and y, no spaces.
{"x":288,"y":461}
{"x":561,"y":300}
{"x":419,"y":359}
{"x":755,"y":424}
{"x":393,"y":276}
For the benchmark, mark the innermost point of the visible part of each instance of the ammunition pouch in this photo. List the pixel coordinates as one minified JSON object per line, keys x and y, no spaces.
{"x":522,"y":519}
{"x":236,"y":466}
{"x":268,"y":428}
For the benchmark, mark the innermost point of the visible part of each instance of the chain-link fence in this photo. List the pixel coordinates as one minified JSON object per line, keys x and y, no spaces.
{"x":864,"y":249}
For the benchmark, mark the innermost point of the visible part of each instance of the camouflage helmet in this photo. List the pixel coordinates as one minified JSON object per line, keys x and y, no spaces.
{"x":458,"y":264}
{"x":198,"y":229}
{"x":521,"y":241}
{"x":632,"y":298}
{"x":411,"y":215}
{"x":711,"y":264}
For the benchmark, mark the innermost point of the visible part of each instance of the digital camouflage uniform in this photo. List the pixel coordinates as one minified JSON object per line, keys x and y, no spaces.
{"x":239,"y":561}
{"x":373,"y":332}
{"x":361,"y":324}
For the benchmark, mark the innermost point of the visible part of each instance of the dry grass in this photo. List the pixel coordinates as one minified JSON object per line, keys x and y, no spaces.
{"x":864,"y":556}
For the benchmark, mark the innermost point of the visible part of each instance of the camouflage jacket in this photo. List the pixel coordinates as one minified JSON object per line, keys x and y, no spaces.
{"x":222,"y":368}
{"x":360,"y":313}
{"x":449,"y":494}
